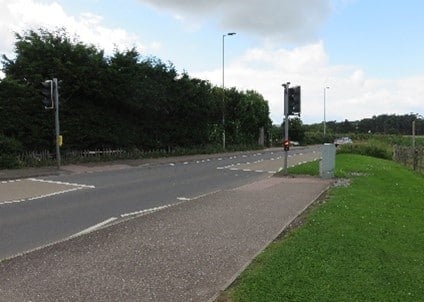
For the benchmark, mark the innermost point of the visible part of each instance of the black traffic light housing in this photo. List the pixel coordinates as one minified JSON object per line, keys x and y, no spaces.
{"x":47,"y":93}
{"x":294,"y":100}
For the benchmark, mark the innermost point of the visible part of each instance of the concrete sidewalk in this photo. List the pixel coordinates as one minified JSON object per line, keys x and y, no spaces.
{"x":187,"y":252}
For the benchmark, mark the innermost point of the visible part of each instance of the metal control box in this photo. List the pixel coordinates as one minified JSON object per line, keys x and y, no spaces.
{"x":328,"y":162}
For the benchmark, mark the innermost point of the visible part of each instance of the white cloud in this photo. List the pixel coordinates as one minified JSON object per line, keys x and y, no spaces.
{"x":352,"y":95}
{"x":21,"y":15}
{"x":283,"y":20}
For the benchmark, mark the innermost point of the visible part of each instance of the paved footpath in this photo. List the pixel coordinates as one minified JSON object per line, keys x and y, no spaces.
{"x":187,"y":252}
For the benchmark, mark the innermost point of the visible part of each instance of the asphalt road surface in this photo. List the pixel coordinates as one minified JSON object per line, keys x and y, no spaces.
{"x":35,"y":212}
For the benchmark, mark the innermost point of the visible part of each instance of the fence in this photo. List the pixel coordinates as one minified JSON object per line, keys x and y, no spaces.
{"x":45,"y":158}
{"x":411,"y":157}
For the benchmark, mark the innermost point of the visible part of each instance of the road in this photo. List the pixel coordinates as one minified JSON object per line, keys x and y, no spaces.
{"x":39,"y":211}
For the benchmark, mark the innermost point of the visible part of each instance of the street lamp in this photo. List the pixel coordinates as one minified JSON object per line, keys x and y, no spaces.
{"x":325,"y":89}
{"x":223,"y":88}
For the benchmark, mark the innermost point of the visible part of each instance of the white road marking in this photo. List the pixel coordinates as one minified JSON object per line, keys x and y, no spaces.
{"x":10,"y":181}
{"x":146,"y":211}
{"x":75,"y":187}
{"x":94,"y":227}
{"x":61,"y":183}
{"x":136,"y":213}
{"x":204,"y":195}
{"x":183,"y":198}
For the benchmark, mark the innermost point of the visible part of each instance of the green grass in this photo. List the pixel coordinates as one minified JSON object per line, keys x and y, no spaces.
{"x":310,"y":168}
{"x":366,"y":243}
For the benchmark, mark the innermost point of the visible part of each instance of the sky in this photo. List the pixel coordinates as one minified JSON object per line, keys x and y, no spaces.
{"x":370,"y":54}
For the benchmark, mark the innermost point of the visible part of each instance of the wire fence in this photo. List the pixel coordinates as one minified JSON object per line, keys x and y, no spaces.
{"x":410,"y":157}
{"x":46,"y":158}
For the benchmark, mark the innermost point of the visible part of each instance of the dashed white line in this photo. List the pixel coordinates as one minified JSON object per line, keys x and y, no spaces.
{"x":183,"y":198}
{"x":151,"y":210}
{"x":197,"y":197}
{"x":94,"y":227}
{"x":10,"y":181}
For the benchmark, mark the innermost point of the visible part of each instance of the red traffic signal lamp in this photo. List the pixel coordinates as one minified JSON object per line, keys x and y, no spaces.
{"x":286,"y":145}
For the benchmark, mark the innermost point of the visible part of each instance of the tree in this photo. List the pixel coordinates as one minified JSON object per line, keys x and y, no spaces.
{"x":121,"y":101}
{"x":296,"y":130}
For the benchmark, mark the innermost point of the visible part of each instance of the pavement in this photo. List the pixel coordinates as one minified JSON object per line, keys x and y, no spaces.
{"x":190,"y":251}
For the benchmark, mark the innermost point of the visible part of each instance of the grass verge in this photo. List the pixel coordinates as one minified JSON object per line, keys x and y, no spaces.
{"x":365,"y":243}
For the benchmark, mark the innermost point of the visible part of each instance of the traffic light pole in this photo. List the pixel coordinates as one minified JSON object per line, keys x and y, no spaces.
{"x":56,"y":105}
{"x":286,"y":123}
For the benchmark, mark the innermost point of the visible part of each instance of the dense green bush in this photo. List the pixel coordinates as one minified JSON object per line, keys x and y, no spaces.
{"x":121,"y":101}
{"x":9,"y":150}
{"x":372,"y":148}
{"x":313,"y":138}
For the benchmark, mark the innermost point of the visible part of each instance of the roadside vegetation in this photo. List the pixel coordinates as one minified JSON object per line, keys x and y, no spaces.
{"x":120,"y":102}
{"x":364,"y":243}
{"x":129,"y":106}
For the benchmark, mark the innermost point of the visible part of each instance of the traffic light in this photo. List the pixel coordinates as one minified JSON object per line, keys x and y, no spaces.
{"x":47,"y":92}
{"x":294,"y":101}
{"x":286,"y":145}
